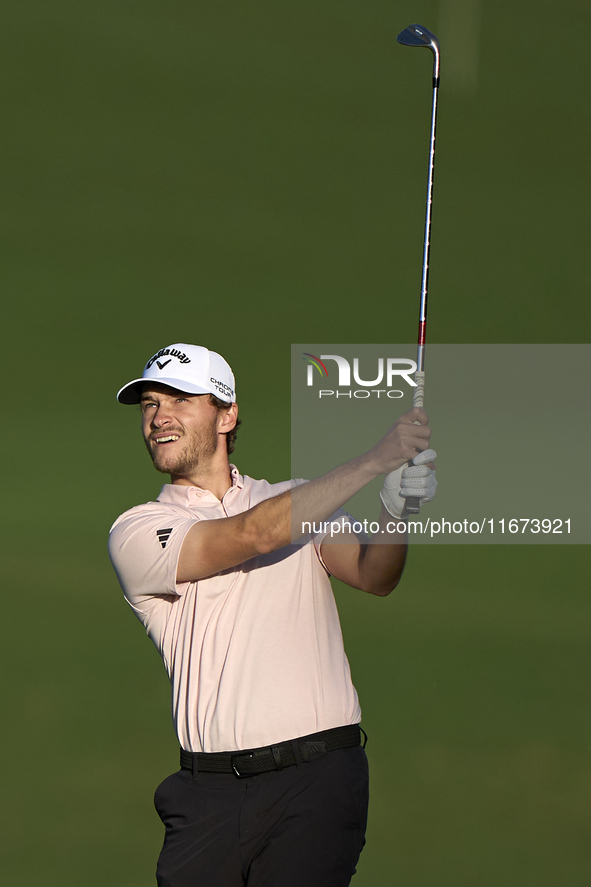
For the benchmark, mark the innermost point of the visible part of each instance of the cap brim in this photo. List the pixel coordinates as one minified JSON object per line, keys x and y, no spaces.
{"x":132,"y":392}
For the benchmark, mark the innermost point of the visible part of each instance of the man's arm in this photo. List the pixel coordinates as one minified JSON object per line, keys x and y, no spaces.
{"x":211,"y":546}
{"x":374,"y":566}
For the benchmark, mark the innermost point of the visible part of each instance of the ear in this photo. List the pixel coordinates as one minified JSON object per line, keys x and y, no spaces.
{"x":227,"y":419}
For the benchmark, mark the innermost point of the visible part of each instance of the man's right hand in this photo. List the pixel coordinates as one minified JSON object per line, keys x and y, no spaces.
{"x":401,"y":443}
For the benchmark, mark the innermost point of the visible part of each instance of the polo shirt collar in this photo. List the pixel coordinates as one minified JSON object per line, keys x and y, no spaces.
{"x":179,"y":494}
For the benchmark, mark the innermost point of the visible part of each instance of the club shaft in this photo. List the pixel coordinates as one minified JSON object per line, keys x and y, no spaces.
{"x":428,"y":215}
{"x":413,"y":504}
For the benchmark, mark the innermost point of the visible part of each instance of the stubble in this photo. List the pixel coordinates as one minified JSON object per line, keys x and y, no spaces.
{"x":198,"y":448}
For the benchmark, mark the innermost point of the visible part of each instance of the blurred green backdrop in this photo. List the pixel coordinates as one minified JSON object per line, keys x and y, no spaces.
{"x":247,"y":175}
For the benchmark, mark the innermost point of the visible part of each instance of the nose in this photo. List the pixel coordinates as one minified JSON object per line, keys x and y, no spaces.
{"x":160,"y":417}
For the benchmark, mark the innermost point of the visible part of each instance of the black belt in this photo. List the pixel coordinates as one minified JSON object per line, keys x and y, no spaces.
{"x":273,"y":757}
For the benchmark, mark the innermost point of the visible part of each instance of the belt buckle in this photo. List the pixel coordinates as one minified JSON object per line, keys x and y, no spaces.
{"x":235,"y":767}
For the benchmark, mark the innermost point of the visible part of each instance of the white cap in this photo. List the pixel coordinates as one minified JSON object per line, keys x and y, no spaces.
{"x":189,"y":368}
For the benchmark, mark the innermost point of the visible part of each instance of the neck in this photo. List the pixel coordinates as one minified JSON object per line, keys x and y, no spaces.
{"x":215,"y":477}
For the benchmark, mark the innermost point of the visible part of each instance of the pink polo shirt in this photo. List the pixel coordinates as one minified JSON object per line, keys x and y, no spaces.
{"x":255,"y":653}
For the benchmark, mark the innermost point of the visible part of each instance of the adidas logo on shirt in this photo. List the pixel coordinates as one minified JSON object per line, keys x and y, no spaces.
{"x":164,"y":536}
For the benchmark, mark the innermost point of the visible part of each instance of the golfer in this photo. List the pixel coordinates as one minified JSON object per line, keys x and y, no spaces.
{"x":273,"y":785}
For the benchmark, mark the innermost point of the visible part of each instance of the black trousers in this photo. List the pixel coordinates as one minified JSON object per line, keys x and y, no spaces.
{"x":301,"y":826}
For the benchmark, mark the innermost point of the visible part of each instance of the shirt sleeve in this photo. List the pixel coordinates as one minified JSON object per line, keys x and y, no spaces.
{"x":337,"y":523}
{"x":144,"y":547}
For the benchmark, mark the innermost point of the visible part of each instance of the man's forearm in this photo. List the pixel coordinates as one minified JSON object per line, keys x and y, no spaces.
{"x":381,"y":561}
{"x":374,"y":565}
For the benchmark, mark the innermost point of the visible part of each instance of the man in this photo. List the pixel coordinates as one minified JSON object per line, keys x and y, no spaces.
{"x":273,"y":782}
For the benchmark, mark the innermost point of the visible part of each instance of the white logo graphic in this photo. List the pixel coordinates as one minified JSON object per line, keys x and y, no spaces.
{"x":389,"y":371}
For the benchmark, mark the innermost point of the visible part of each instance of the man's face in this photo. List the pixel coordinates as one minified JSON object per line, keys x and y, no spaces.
{"x":180,"y":430}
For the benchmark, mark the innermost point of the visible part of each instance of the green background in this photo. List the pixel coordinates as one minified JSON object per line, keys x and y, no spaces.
{"x":248,"y":175}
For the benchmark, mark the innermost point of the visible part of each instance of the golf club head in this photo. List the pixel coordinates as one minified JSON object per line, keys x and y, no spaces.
{"x":417,"y":35}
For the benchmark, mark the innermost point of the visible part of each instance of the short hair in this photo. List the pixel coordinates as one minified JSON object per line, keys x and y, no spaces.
{"x":230,"y":435}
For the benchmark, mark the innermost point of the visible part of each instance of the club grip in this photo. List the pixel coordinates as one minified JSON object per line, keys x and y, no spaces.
{"x":413,"y":505}
{"x":418,"y":395}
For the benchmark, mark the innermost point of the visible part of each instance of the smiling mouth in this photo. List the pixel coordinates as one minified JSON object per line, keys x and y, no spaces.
{"x":170,"y":438}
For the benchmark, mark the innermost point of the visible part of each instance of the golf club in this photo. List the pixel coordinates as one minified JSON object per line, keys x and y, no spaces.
{"x":417,"y":35}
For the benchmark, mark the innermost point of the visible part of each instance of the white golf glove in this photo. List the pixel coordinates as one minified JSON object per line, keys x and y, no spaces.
{"x":410,"y":481}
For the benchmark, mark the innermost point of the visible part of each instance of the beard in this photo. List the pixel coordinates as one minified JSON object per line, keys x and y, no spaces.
{"x":198,"y":447}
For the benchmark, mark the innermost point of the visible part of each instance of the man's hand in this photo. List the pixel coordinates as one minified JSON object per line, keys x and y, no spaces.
{"x":416,"y":481}
{"x":405,"y":440}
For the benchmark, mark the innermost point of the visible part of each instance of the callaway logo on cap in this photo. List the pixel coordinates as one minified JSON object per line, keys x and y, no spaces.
{"x":189,"y":368}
